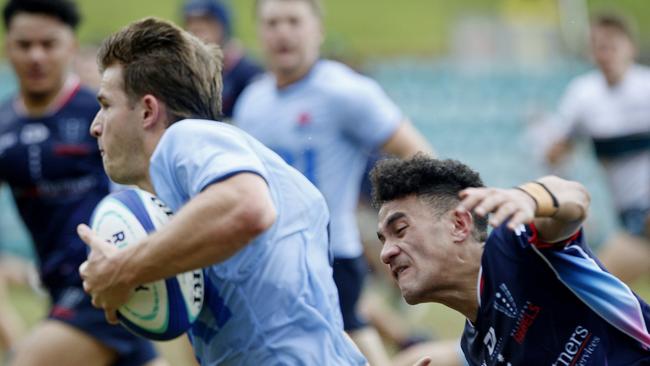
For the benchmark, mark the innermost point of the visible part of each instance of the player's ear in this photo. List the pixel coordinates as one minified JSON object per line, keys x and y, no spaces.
{"x":463,"y":222}
{"x":152,"y":111}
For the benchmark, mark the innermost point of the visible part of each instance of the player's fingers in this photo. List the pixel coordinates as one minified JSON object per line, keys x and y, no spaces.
{"x":82,"y":270}
{"x":504,"y":211}
{"x":490,"y":203}
{"x":111,"y":316}
{"x":471,"y":197}
{"x":520,"y":217}
{"x":86,"y":286}
{"x":425,"y":361}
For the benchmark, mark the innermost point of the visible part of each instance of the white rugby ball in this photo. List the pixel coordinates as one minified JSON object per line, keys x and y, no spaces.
{"x":159,"y":310}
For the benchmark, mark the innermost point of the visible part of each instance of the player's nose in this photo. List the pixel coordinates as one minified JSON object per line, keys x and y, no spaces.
{"x":388,"y":251}
{"x":95,"y":128}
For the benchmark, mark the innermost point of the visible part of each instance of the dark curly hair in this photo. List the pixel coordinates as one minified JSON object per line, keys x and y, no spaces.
{"x":64,"y":10}
{"x":436,"y":181}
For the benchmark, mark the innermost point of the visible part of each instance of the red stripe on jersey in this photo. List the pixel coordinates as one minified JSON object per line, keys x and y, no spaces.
{"x":534,"y":239}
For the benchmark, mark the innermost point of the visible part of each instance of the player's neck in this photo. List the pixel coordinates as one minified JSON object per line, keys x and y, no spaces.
{"x":462,"y":295}
{"x":39,"y":104}
{"x":285,"y":79}
{"x":614,"y":78}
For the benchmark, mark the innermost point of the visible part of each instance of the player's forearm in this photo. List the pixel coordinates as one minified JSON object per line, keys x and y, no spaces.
{"x":573,"y":204}
{"x":407,"y":141}
{"x":211,"y":228}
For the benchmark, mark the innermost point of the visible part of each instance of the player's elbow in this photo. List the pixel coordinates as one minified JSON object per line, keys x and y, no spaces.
{"x":256,"y":216}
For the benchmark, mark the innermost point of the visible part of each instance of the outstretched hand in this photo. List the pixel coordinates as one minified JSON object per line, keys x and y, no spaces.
{"x":510,"y":205}
{"x":100,"y":274}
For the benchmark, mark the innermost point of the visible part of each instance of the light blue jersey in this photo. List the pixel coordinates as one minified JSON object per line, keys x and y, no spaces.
{"x":324,"y":125}
{"x":274,"y":302}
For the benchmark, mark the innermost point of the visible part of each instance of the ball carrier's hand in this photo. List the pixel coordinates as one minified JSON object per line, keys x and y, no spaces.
{"x":101,"y":275}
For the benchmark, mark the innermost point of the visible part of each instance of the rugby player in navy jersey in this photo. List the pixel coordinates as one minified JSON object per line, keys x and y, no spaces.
{"x":532,"y":291}
{"x":55,"y":173}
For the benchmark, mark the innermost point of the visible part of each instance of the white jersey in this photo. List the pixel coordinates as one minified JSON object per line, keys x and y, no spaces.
{"x":324,"y":125}
{"x":617,"y":119}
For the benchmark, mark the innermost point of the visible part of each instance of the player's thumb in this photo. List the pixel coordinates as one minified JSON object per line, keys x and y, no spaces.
{"x":86,"y":234}
{"x":426,"y":361}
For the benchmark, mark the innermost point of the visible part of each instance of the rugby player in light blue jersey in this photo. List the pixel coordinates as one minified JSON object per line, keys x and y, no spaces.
{"x":324,"y":118}
{"x":256,"y":225}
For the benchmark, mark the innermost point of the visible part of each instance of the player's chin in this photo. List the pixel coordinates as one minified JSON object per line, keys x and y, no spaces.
{"x":411,"y":296}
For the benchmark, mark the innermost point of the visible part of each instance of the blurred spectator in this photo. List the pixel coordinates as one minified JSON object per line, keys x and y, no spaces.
{"x":210,"y":21}
{"x":611,"y":106}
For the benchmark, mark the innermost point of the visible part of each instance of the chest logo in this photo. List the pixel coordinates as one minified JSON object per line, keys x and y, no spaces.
{"x":504,"y":302}
{"x":304,"y":119}
{"x":34,"y":133}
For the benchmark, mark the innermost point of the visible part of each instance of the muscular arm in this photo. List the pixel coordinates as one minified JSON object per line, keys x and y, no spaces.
{"x":573,"y":205}
{"x":519,"y":208}
{"x":209,"y":229}
{"x":406,"y":141}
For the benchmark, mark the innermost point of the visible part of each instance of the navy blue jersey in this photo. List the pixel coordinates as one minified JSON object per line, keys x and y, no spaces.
{"x":55,"y":172}
{"x":532,"y":313}
{"x":235,"y":78}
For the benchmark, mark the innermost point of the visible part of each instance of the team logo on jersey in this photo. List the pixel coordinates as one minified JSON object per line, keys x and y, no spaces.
{"x":72,"y":130}
{"x":578,"y":349}
{"x":304,"y":119}
{"x":504,"y":302}
{"x":490,"y":340}
{"x":527,"y":316}
{"x":34,"y":133}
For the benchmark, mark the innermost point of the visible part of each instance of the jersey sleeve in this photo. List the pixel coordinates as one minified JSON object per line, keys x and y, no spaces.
{"x":368,"y":114}
{"x":569,"y":114}
{"x":194,"y":154}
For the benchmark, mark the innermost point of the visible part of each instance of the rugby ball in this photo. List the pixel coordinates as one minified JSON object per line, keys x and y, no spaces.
{"x":160,"y":310}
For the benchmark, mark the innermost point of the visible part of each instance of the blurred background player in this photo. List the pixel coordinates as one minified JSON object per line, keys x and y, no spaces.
{"x":55,"y":173}
{"x":324,"y":119}
{"x":210,"y":20}
{"x":611,"y":106}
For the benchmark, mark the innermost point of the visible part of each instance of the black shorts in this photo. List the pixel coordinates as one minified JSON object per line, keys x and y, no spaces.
{"x":72,"y":306}
{"x":349,"y":274}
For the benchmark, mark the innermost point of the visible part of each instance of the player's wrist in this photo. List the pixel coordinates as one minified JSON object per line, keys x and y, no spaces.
{"x":546,"y":204}
{"x":123,"y":276}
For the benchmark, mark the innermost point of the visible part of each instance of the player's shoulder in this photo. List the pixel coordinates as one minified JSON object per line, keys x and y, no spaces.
{"x":260,"y":85}
{"x":187,"y":130}
{"x":640,"y":76}
{"x":641,"y":70}
{"x":7,"y":112}
{"x":587,"y":80}
{"x":347,"y":80}
{"x":82,"y":102}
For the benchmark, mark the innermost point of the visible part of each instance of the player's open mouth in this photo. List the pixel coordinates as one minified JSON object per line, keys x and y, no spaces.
{"x":398,"y":270}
